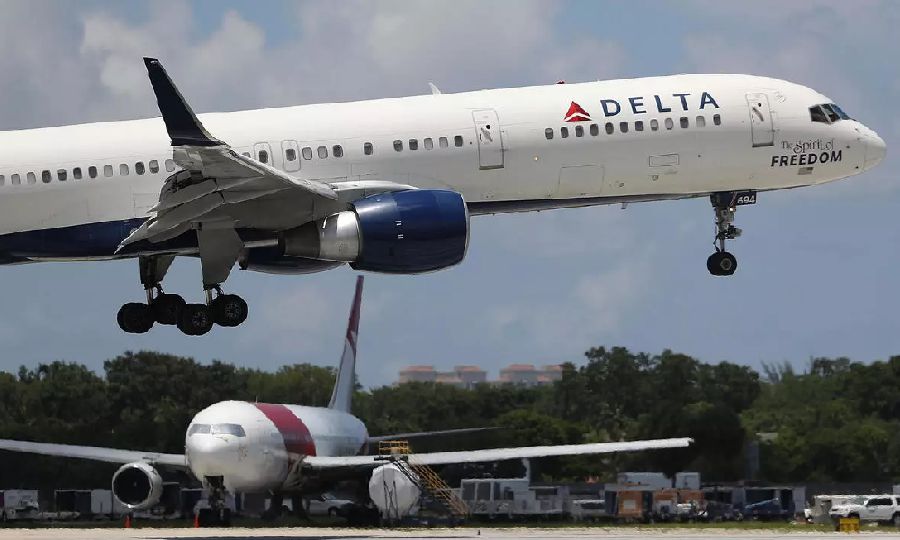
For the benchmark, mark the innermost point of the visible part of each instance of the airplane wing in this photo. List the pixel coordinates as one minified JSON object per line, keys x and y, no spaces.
{"x":498,"y":454}
{"x":95,"y":453}
{"x":214,"y":174}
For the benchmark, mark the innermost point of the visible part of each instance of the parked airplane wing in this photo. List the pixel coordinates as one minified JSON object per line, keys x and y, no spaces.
{"x":498,"y":454}
{"x":214,"y":175}
{"x":96,"y":453}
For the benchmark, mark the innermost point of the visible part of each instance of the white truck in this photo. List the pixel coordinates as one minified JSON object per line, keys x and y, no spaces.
{"x":878,"y":508}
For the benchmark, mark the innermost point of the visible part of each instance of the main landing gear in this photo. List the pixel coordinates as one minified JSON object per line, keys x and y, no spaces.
{"x":723,"y":263}
{"x":228,"y":310}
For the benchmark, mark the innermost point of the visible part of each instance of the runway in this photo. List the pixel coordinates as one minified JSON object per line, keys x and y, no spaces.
{"x":561,"y":533}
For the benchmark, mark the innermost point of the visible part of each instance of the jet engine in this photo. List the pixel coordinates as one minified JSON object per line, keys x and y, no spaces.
{"x":271,"y":261}
{"x":401,"y":232}
{"x":137,"y":485}
{"x":392,"y":491}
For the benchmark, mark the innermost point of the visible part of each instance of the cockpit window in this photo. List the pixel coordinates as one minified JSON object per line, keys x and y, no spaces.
{"x":198,"y":428}
{"x":827,"y":113}
{"x":228,"y":429}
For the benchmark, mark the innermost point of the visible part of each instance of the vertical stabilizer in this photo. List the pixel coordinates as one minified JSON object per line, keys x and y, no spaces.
{"x":346,"y":375}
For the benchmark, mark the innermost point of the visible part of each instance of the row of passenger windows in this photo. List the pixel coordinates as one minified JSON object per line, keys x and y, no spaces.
{"x":290,"y":154}
{"x":78,"y":173}
{"x":610,"y":127}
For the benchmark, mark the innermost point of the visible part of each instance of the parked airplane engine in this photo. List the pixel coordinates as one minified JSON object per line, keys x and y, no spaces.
{"x":271,"y":261}
{"x":393,"y":492}
{"x":137,"y":485}
{"x":402,"y":232}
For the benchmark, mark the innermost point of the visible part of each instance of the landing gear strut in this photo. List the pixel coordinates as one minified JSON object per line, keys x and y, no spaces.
{"x":723,"y":263}
{"x":218,"y":514}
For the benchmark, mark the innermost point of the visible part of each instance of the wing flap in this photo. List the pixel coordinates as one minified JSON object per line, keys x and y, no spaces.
{"x":95,"y":453}
{"x":498,"y":454}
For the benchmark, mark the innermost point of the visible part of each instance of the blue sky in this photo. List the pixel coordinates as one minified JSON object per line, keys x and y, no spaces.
{"x":817,"y":271}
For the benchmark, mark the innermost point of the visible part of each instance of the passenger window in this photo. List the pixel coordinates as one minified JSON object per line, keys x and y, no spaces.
{"x":458,"y":140}
{"x":595,"y":130}
{"x":429,"y":144}
{"x":623,"y":127}
{"x":368,"y":149}
{"x":170,"y":165}
{"x":564,"y":132}
{"x":548,"y":133}
{"x":701,"y":121}
{"x":579,"y":131}
{"x":139,"y":167}
{"x":92,"y":171}
{"x":669,"y":123}
{"x":123,"y":169}
{"x":45,"y":177}
{"x":442,"y":142}
{"x":15,"y":179}
{"x":654,"y":125}
{"x":610,"y":128}
{"x":307,"y":152}
{"x":414,"y":144}
{"x":108,"y":170}
{"x":290,"y":154}
{"x":61,"y":174}
{"x":717,"y":120}
{"x":76,"y":173}
{"x":32,"y":179}
{"x":262,"y":156}
{"x":639,"y":125}
{"x":337,"y":151}
{"x":322,"y":152}
{"x":684,"y":122}
{"x":398,"y":146}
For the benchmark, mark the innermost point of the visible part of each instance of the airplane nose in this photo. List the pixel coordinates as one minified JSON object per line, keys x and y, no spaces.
{"x":211,"y":455}
{"x":875,"y":150}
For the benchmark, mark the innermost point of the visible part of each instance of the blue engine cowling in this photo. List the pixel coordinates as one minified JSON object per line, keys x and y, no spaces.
{"x":402,"y":232}
{"x":412,"y":231}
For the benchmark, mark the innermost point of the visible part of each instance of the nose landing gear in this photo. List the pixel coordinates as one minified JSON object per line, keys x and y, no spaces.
{"x":723,"y":263}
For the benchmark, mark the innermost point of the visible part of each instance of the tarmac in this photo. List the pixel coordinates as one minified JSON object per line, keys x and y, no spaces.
{"x":490,"y":533}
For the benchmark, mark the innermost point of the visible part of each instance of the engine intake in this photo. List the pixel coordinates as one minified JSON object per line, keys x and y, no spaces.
{"x":403,"y":232}
{"x":137,"y":485}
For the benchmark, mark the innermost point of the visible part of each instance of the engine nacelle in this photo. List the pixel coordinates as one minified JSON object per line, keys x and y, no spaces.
{"x":137,"y":485}
{"x":271,"y":261}
{"x":392,"y":491}
{"x":402,"y":232}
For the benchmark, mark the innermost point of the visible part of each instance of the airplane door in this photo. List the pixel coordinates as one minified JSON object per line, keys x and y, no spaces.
{"x":490,"y":141}
{"x":290,"y":155}
{"x":762,"y":126}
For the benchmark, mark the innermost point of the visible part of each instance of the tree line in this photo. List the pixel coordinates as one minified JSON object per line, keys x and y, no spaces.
{"x":837,"y":420}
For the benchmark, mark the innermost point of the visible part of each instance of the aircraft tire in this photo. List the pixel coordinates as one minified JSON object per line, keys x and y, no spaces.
{"x":228,"y":310}
{"x":135,"y":318}
{"x":195,"y":319}
{"x":721,"y":263}
{"x":166,"y":308}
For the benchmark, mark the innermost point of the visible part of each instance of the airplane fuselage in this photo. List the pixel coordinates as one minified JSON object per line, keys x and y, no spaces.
{"x":76,"y":192}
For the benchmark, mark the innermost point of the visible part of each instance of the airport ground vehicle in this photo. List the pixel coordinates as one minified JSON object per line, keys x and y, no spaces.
{"x":327,"y":504}
{"x":768,"y":510}
{"x":878,"y":508}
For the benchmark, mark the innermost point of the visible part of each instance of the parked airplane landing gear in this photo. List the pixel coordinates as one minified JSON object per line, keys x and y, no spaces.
{"x":723,"y":263}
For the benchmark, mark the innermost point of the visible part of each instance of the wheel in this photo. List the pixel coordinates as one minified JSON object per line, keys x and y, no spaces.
{"x":166,"y":308}
{"x":721,"y":263}
{"x":135,"y":318}
{"x":225,"y":517}
{"x":228,"y":310}
{"x":195,"y":319}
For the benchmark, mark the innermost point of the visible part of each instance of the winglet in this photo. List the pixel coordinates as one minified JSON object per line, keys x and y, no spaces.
{"x":435,"y":91}
{"x":345,"y":382}
{"x":182,"y":124}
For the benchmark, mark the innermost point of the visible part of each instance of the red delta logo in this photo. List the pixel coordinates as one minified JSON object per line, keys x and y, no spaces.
{"x":577,"y":114}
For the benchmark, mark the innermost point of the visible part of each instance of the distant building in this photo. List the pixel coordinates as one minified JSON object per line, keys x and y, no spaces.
{"x":467,"y":376}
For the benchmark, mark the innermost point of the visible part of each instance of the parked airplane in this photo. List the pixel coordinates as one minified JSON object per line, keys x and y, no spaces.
{"x":388,"y":185}
{"x":264,"y":447}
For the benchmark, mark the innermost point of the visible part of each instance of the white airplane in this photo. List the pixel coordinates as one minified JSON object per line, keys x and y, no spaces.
{"x":388,"y":185}
{"x":273,"y":448}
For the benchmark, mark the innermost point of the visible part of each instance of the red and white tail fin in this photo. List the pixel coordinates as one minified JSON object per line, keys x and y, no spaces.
{"x":346,"y":375}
